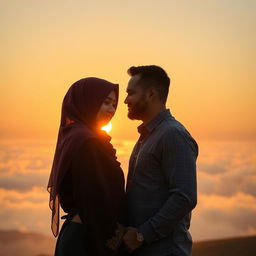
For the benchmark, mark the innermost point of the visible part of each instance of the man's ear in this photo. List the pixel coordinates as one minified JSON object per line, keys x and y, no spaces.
{"x":152,"y":93}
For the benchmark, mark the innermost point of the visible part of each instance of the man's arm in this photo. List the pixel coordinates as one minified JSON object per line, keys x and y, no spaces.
{"x":179,"y":168}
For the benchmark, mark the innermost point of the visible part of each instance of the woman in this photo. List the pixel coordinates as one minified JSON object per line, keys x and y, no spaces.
{"x":86,"y":179}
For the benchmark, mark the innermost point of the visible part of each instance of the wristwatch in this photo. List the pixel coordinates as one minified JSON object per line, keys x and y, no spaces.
{"x":140,"y":237}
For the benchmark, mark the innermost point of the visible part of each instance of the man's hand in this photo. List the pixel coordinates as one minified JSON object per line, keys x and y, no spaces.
{"x":130,"y":239}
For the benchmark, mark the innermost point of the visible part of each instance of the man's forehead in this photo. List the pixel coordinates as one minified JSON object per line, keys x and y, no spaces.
{"x":133,"y":81}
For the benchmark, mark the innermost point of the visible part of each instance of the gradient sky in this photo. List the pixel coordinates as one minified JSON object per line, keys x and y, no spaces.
{"x":208,"y":49}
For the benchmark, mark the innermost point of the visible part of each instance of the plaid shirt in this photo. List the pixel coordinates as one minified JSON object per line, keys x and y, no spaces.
{"x":161,"y":186}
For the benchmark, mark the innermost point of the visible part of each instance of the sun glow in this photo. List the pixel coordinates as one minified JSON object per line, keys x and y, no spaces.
{"x":107,"y":127}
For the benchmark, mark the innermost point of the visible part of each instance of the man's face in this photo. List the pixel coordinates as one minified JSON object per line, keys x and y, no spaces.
{"x":135,"y":99}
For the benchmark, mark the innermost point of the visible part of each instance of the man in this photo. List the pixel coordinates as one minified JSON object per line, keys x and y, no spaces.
{"x":161,"y":184}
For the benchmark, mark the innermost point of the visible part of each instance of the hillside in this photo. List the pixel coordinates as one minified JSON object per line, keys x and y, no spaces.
{"x":13,"y":242}
{"x":241,"y":246}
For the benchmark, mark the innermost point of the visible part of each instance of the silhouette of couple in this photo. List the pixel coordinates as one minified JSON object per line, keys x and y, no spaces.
{"x":151,"y":216}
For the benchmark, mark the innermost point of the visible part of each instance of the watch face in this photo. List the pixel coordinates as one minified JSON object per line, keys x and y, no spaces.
{"x":140,"y":237}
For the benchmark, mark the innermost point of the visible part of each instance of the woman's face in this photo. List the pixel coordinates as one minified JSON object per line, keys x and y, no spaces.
{"x":107,"y":110}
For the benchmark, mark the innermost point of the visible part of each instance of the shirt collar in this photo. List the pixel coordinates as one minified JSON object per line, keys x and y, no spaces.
{"x":153,"y":123}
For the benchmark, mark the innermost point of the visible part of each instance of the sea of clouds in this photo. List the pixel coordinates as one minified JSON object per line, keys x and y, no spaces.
{"x":226,"y":187}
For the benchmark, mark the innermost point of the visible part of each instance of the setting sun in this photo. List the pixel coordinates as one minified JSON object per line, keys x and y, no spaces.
{"x":107,"y":127}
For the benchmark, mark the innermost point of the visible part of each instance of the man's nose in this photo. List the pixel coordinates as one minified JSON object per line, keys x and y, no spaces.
{"x":125,"y":101}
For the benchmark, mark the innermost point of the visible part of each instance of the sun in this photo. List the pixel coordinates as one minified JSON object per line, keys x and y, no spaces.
{"x":107,"y":128}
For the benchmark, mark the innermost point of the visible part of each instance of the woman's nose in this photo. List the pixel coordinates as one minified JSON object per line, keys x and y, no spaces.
{"x":112,"y":109}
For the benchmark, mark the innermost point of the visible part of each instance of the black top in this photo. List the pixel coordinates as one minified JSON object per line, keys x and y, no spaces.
{"x":78,"y":123}
{"x":93,"y":187}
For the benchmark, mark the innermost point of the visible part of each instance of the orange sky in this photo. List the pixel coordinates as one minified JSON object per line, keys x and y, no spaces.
{"x":207,"y":48}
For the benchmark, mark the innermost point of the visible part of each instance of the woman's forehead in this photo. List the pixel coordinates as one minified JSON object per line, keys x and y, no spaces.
{"x":112,"y":95}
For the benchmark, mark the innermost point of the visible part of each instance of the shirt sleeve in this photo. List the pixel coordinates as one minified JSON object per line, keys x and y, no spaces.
{"x":179,"y":155}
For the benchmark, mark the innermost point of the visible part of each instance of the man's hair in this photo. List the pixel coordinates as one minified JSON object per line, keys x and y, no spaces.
{"x":152,"y":76}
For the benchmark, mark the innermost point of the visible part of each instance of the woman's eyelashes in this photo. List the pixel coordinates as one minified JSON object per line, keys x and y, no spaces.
{"x":109,"y":103}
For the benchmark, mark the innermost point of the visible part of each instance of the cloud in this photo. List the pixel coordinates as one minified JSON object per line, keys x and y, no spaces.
{"x":217,"y":216}
{"x":25,"y":244}
{"x":15,"y":199}
{"x":212,"y":169}
{"x":23,"y":181}
{"x":23,"y":166}
{"x":226,"y":186}
{"x":38,"y":163}
{"x":25,"y":158}
{"x":227,"y":168}
{"x":26,"y":210}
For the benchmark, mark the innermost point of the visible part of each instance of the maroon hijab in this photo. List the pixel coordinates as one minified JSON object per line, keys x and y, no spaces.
{"x":78,"y":123}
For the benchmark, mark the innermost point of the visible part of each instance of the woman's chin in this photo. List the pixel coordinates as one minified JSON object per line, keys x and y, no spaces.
{"x":103,"y":123}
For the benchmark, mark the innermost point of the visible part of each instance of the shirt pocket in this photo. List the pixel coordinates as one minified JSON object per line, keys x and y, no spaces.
{"x":148,"y":170}
{"x":146,"y":162}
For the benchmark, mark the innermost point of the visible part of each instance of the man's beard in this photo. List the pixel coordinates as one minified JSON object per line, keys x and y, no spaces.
{"x":137,"y":111}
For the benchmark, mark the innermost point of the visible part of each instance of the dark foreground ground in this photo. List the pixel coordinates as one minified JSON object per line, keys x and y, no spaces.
{"x":15,"y":243}
{"x":241,"y":246}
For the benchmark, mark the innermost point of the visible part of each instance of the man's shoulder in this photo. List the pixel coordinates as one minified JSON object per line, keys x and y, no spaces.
{"x":175,"y":132}
{"x":171,"y":127}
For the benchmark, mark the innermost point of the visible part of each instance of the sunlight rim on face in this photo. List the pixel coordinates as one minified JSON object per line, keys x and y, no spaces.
{"x":107,"y":128}
{"x":107,"y":111}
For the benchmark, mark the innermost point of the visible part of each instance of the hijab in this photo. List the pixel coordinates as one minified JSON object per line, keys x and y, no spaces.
{"x":78,"y":123}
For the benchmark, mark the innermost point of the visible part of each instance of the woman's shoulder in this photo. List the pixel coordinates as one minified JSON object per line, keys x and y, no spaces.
{"x":88,"y":142}
{"x":81,"y":133}
{"x":78,"y":136}
{"x":94,"y":150}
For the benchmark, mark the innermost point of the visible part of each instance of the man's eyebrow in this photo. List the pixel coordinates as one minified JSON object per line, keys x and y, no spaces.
{"x":129,"y":90}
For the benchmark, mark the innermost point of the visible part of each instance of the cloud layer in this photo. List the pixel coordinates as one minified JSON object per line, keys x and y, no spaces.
{"x":226,"y":186}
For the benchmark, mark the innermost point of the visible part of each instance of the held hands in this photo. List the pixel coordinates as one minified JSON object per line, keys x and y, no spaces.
{"x":131,"y":239}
